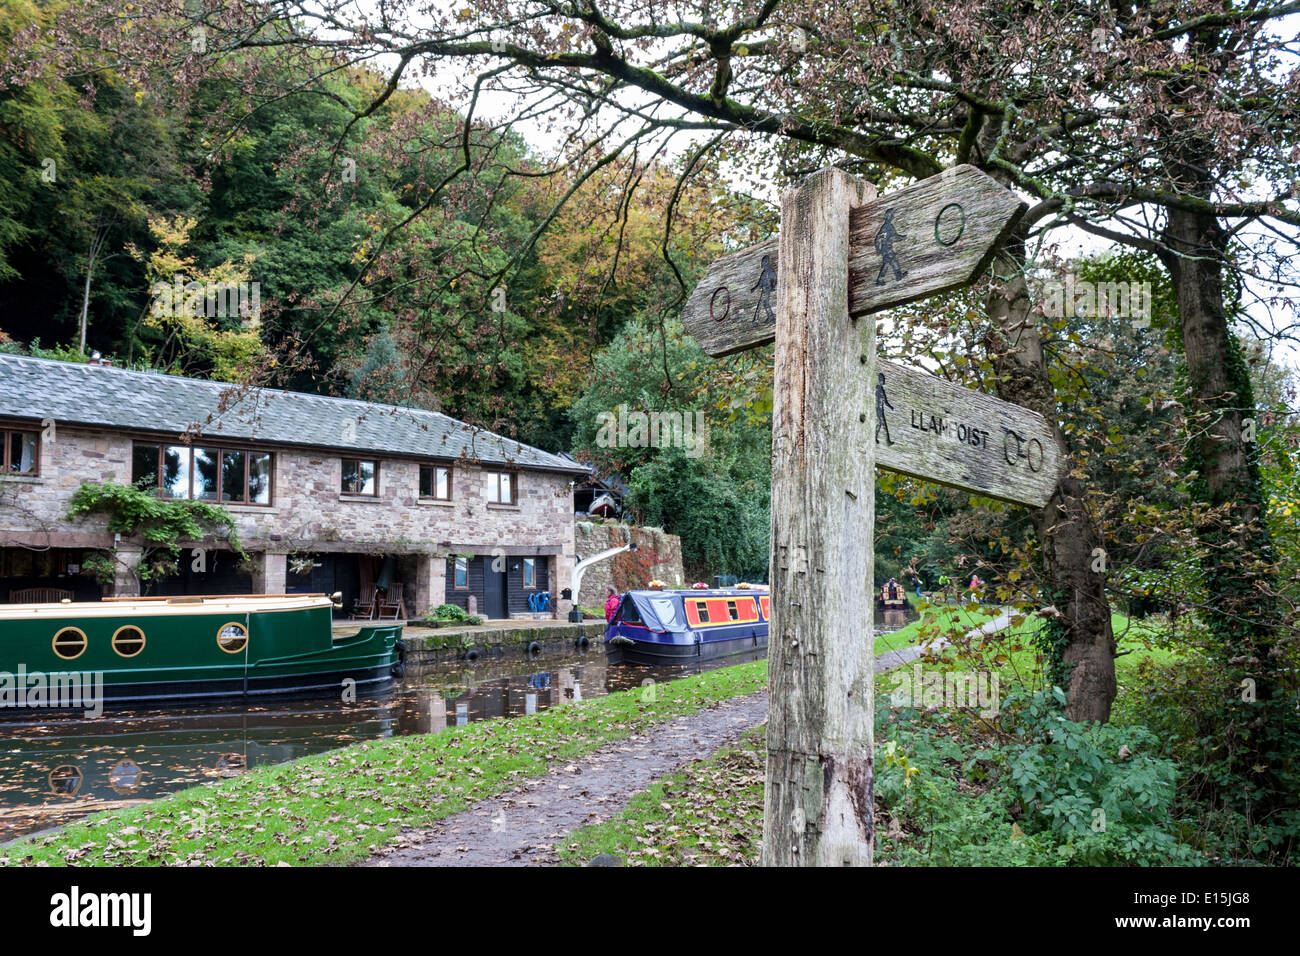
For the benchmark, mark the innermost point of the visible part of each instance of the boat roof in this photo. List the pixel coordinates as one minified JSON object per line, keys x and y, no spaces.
{"x":702,"y":592}
{"x":165,"y":606}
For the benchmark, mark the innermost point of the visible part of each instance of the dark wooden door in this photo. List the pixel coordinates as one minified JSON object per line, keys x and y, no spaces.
{"x":494,"y":590}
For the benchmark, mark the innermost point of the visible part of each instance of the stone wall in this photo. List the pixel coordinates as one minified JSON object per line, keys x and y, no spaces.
{"x":658,"y":555}
{"x":309,"y":514}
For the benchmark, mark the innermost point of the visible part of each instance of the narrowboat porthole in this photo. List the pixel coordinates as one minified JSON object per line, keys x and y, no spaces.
{"x":232,"y":638}
{"x":125,"y":775}
{"x":231,"y":763}
{"x":128,"y":641}
{"x":69,"y":643}
{"x":65,"y":780}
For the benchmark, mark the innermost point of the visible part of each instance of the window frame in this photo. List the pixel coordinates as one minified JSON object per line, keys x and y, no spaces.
{"x":523,"y":571}
{"x":496,"y":473}
{"x":358,"y":494}
{"x":248,"y":452}
{"x":434,"y":483}
{"x":128,"y":627}
{"x":244,"y":643}
{"x":6,"y":435}
{"x":455,"y":572}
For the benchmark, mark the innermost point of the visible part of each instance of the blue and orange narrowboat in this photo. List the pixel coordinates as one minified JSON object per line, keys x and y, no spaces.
{"x":678,"y":626}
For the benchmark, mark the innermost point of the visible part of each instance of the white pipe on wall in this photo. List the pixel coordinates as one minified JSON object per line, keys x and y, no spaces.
{"x":585,"y":563}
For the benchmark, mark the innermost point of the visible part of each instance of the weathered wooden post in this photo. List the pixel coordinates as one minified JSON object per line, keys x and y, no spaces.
{"x":838,"y":412}
{"x":818,"y":808}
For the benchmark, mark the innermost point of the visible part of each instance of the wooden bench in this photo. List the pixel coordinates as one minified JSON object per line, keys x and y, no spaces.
{"x":39,"y":596}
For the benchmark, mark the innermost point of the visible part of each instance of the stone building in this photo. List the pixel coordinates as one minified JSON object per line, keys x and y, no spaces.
{"x":328,"y":494}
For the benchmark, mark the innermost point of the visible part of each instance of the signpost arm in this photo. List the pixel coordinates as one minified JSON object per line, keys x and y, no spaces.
{"x":818,"y":808}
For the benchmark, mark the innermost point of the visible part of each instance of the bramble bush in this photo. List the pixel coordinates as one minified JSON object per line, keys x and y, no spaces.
{"x":1205,"y":723}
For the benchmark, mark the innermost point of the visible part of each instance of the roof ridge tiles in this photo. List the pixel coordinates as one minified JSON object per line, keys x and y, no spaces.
{"x":45,"y":393}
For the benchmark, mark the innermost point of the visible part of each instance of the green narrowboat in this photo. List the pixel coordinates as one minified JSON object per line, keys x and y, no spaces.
{"x":187,"y":648}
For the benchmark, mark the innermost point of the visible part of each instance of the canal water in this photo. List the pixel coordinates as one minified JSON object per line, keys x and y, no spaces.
{"x":57,"y":769}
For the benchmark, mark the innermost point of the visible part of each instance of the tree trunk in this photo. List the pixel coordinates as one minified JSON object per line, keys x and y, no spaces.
{"x":1083,"y":644}
{"x":818,"y":805}
{"x":96,"y":243}
{"x":1239,"y":568}
{"x":1256,"y":709}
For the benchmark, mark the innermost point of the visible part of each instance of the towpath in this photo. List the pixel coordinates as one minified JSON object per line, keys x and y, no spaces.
{"x":523,"y":826}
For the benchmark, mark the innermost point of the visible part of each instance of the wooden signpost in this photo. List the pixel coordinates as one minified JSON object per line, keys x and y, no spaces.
{"x":933,"y":237}
{"x":838,"y":412}
{"x":929,"y":428}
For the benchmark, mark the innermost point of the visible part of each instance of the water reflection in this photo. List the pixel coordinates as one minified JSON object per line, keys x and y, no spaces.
{"x":61,"y":768}
{"x":893,"y":619}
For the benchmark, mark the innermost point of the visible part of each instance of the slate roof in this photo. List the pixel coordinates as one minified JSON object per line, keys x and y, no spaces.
{"x":77,"y":394}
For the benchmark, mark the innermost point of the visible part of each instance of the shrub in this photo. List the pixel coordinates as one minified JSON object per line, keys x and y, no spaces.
{"x":1056,"y":793}
{"x":1245,"y":807}
{"x":445,"y":613}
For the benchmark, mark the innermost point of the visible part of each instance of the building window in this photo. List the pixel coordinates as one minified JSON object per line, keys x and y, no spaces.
{"x":20,"y":453}
{"x":360,"y":476}
{"x":435,"y":482}
{"x":500,"y":487}
{"x":204,"y":473}
{"x":530,"y":572}
{"x":462,"y":572}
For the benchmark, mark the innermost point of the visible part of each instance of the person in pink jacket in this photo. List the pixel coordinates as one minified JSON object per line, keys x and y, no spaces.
{"x":611,"y":604}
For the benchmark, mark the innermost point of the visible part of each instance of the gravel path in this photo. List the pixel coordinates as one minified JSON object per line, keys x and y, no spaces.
{"x":905,"y":655}
{"x":523,"y":826}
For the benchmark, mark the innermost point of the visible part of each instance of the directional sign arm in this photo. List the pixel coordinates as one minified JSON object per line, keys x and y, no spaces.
{"x":932,"y":237}
{"x":929,"y":428}
{"x":734,"y":306}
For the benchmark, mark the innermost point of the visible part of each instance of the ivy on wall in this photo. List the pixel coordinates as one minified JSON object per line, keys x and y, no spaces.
{"x":161,"y":524}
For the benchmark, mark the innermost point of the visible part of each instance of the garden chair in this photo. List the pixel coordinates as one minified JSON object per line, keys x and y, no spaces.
{"x":392,"y":601}
{"x":364,"y":608}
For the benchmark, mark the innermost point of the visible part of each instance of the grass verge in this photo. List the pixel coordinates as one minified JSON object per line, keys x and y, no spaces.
{"x":943,"y":791}
{"x":936,"y":619}
{"x":336,"y":807}
{"x":708,"y":813}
